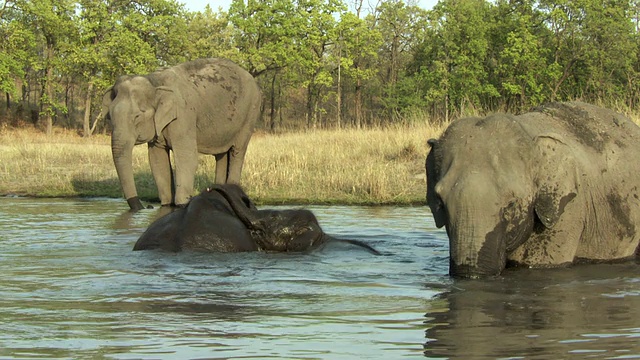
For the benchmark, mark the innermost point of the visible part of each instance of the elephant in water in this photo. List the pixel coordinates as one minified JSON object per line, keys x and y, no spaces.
{"x":223,"y":219}
{"x":547,"y":188}
{"x":207,"y":106}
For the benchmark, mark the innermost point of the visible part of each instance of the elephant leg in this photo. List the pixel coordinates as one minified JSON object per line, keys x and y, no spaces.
{"x":160,"y":164}
{"x":236,"y":158}
{"x":222,"y":167}
{"x":554,"y":247}
{"x":186,"y":158}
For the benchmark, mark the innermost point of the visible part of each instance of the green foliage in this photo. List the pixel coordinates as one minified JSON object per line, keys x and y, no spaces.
{"x":15,"y":52}
{"x":266,"y":33}
{"x":210,"y":35}
{"x":322,"y":64}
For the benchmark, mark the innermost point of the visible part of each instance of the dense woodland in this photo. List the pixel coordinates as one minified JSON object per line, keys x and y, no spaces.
{"x":325,"y":63}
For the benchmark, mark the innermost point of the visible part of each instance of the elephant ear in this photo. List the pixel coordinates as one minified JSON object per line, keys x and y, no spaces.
{"x":107,"y":98}
{"x":556,"y":181}
{"x":432,"y":166}
{"x":168,"y":105}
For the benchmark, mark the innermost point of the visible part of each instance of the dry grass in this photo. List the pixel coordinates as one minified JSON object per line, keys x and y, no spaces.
{"x":372,"y":166}
{"x":353,"y":166}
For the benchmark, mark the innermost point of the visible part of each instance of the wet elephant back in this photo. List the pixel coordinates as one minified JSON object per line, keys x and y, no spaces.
{"x":209,"y":226}
{"x":592,"y":126}
{"x":162,"y":233}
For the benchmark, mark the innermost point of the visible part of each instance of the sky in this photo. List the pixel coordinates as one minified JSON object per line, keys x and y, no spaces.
{"x":199,"y":5}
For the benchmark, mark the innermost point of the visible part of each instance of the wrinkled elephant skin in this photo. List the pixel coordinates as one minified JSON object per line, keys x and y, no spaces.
{"x":548,"y":188}
{"x":207,"y":106}
{"x":223,"y":219}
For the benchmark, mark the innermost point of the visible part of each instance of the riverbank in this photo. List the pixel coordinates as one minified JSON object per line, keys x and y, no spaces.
{"x":354,"y":167}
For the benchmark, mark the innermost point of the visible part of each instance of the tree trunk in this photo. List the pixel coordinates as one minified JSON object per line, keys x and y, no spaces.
{"x":47,"y":107}
{"x":311,"y":119}
{"x":339,"y":93}
{"x":272,"y":114}
{"x":86,"y":123}
{"x":358,"y":104}
{"x":356,"y":66}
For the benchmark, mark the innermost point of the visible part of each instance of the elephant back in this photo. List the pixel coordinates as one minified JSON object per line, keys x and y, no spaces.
{"x":223,"y":98}
{"x":594,"y":127}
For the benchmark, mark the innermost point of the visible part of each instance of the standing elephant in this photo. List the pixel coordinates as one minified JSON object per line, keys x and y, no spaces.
{"x":548,"y":188}
{"x":207,"y":106}
{"x":223,"y":219}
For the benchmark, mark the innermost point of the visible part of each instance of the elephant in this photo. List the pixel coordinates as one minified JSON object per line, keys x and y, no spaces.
{"x":207,"y":106}
{"x":548,"y":188}
{"x":222,"y":218}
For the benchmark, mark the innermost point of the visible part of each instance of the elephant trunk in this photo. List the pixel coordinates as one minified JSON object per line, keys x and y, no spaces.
{"x":122,"y":152}
{"x":477,"y":242}
{"x":475,"y":226}
{"x":475,"y":256}
{"x":244,"y":212}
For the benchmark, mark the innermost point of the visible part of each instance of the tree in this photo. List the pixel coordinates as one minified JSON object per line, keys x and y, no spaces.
{"x":566,"y":45}
{"x":52,"y":20}
{"x":16,"y":51}
{"x":523,"y":65}
{"x":318,"y":24}
{"x":210,"y":35}
{"x":401,"y":26}
{"x":609,"y":48}
{"x":266,"y":33}
{"x":358,"y":45}
{"x":116,"y":39}
{"x":266,"y":36}
{"x":452,"y":59}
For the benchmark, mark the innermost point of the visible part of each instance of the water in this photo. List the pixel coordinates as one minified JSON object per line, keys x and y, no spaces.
{"x":70,"y":287}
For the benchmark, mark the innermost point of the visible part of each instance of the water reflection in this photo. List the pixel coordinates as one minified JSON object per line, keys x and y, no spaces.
{"x":582,"y":311}
{"x":72,"y":288}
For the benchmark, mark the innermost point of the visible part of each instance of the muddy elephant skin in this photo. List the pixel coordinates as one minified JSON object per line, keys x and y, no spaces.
{"x":547,"y":188}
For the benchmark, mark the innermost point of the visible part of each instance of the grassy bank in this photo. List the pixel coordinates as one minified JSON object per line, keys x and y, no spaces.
{"x":373,"y":166}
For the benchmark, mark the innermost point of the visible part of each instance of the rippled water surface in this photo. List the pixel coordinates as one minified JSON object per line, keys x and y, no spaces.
{"x":70,"y":287}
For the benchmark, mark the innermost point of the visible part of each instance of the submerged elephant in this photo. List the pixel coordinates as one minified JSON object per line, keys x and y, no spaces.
{"x":223,"y":219}
{"x":548,"y":188}
{"x":204,"y":106}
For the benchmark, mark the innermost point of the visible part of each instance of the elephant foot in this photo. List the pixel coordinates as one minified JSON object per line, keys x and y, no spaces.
{"x":135,"y":204}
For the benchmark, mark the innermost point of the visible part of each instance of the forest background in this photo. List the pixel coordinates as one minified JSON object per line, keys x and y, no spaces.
{"x":325,"y":63}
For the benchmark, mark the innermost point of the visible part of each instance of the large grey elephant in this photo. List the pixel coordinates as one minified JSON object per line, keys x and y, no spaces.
{"x":548,"y":188}
{"x":222,"y":218}
{"x":204,"y":106}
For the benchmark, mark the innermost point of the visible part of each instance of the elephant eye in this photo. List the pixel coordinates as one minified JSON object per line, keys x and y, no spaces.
{"x":440,"y":203}
{"x":510,"y":211}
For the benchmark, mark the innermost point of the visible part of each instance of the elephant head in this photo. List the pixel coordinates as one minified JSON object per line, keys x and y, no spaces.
{"x":137,"y":111}
{"x":493,"y":185}
{"x":275,"y":230}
